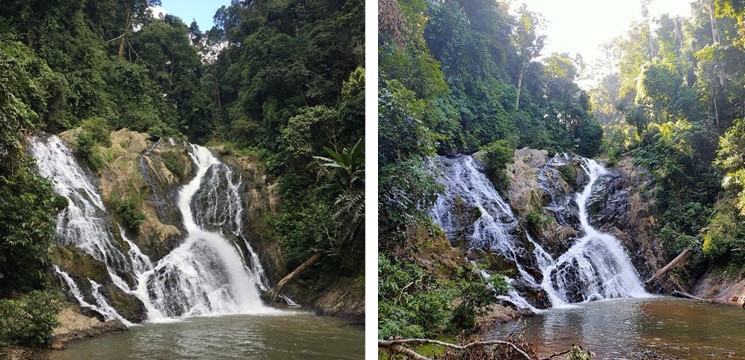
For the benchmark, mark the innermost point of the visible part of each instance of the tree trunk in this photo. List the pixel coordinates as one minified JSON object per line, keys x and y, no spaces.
{"x":520,"y":84}
{"x":123,"y":40}
{"x":713,"y":22}
{"x":217,"y":92}
{"x":271,"y":295}
{"x":680,"y":259}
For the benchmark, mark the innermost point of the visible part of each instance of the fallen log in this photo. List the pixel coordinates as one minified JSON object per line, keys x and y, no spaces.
{"x":682,"y":258}
{"x":271,"y":295}
{"x":682,"y":294}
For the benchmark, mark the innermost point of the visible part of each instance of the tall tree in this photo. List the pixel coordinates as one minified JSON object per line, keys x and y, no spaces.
{"x":527,"y":41}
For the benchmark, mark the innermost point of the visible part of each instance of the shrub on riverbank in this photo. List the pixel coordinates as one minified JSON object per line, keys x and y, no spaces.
{"x":30,"y":319}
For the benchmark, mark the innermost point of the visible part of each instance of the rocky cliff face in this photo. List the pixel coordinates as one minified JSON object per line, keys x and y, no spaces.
{"x":722,"y":286}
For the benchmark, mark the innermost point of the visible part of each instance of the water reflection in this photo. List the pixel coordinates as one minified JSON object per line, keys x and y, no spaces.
{"x":663,"y":328}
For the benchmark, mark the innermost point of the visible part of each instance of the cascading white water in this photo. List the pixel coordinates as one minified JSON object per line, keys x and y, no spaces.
{"x":219,"y":205}
{"x":205,"y":275}
{"x":595,"y":267}
{"x":103,"y":307}
{"x":465,"y":183}
{"x":596,"y":264}
{"x":82,"y":223}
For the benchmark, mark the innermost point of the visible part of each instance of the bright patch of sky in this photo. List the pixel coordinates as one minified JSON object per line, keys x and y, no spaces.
{"x":188,"y":10}
{"x":582,"y":26}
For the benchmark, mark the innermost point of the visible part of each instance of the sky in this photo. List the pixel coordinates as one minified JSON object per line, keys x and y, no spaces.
{"x":581,"y":26}
{"x":200,"y":10}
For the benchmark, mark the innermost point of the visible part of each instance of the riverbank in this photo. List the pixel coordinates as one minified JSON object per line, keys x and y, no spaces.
{"x":75,"y":326}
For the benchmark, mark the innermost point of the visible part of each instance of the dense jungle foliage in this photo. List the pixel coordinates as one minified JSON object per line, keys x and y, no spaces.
{"x":671,"y":95}
{"x":282,"y":79}
{"x":458,"y":77}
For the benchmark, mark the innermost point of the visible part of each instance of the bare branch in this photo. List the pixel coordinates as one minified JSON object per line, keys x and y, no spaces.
{"x":557,"y":354}
{"x":390,"y":343}
{"x":116,"y":38}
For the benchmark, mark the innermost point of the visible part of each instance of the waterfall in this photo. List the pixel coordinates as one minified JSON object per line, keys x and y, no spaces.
{"x":218,"y":204}
{"x":83,"y":222}
{"x":595,"y":267}
{"x":205,"y":275}
{"x":596,"y":264}
{"x":465,"y":183}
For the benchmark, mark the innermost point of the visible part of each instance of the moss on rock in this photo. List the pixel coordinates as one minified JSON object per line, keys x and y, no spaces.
{"x":79,"y":264}
{"x":128,"y":306}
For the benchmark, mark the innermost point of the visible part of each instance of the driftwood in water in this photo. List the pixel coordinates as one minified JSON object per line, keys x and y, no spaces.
{"x":271,"y":295}
{"x":684,"y":256}
{"x":686,"y":295}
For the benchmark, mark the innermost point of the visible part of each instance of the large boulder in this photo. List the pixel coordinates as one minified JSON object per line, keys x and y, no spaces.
{"x":76,"y":326}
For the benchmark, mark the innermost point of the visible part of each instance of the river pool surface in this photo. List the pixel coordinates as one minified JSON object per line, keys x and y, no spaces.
{"x":290,"y":336}
{"x":650,"y":328}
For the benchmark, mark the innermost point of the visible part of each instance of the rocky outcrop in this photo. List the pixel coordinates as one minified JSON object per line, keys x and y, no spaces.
{"x":722,"y":286}
{"x":344,"y":298}
{"x":76,"y":326}
{"x":542,"y":193}
{"x":151,"y":172}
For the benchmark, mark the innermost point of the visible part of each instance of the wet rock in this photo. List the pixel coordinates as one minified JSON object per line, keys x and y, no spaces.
{"x":79,"y":264}
{"x":57,"y":345}
{"x":496,"y":314}
{"x":75,"y":326}
{"x":128,"y":305}
{"x":81,"y":267}
{"x":260,"y":197}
